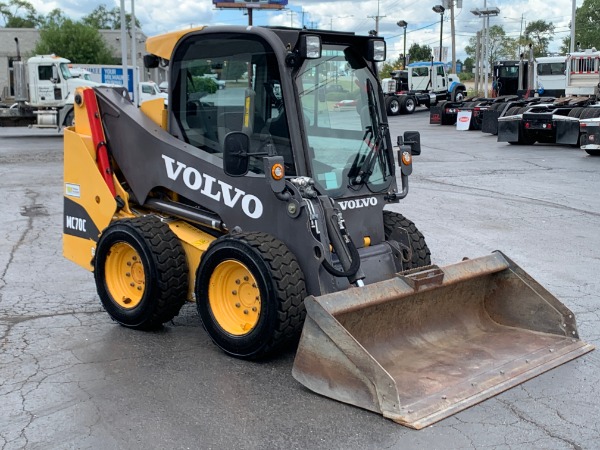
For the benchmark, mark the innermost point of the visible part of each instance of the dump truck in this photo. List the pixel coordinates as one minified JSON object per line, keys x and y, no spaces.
{"x":273,"y":213}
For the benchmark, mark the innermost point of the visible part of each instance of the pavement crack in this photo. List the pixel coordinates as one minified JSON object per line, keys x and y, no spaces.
{"x":522,"y":416}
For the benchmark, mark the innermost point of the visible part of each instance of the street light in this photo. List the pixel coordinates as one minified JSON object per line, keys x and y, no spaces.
{"x":403,"y":24}
{"x":485,"y":13}
{"x":440,"y":10}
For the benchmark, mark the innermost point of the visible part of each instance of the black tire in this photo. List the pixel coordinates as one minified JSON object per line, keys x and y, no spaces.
{"x":270,"y":297}
{"x":421,"y":256}
{"x":141,"y":272}
{"x":593,"y":152}
{"x":458,"y":95}
{"x":511,"y":111}
{"x":575,"y":112}
{"x":69,"y":118}
{"x":408,"y":105}
{"x":392,"y":105}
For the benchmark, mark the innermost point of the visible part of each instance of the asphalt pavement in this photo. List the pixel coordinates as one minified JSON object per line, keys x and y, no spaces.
{"x":70,"y":378}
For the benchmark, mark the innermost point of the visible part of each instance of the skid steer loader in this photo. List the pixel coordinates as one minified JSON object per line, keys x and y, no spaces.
{"x":265,"y":205}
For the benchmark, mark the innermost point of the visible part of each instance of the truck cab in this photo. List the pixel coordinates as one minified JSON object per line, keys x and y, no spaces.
{"x":51,"y":83}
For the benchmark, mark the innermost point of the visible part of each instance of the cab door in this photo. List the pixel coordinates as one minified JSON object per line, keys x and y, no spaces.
{"x":46,"y":86}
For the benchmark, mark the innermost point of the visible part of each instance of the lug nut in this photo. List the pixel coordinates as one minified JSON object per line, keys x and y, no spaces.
{"x":254,"y":309}
{"x":246,"y":278}
{"x":132,"y":284}
{"x":245,"y":311}
{"x":237,"y":281}
{"x":127,"y":274}
{"x":237,"y":305}
{"x":129,"y":263}
{"x":139,"y":288}
{"x":234,"y":292}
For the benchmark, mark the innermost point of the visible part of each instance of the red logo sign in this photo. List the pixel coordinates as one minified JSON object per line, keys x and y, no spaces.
{"x":464,"y":119}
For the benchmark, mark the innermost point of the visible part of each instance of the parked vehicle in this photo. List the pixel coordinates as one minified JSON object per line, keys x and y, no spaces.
{"x":558,"y":121}
{"x":44,"y":92}
{"x":276,"y":222}
{"x":428,"y":84}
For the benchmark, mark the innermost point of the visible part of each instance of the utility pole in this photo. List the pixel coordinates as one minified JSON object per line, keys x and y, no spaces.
{"x":124,"y":45}
{"x":573,"y":14}
{"x":477,"y":61}
{"x":377,"y":17}
{"x":453,"y":35}
{"x":135,"y":73}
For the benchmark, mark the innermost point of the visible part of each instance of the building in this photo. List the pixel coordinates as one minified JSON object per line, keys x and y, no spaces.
{"x":28,"y":38}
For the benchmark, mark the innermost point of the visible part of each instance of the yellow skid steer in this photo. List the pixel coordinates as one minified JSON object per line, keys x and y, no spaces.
{"x":265,"y":200}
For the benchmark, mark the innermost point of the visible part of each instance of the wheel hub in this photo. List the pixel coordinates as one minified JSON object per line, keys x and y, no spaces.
{"x":125,"y":276}
{"x":234,"y":298}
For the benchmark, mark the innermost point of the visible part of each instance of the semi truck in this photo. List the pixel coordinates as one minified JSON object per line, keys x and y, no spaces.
{"x":428,"y":84}
{"x":44,"y":92}
{"x":558,"y":121}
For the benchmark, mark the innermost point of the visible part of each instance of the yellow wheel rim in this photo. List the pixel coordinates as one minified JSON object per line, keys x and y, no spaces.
{"x":234,"y":298}
{"x":124,"y":275}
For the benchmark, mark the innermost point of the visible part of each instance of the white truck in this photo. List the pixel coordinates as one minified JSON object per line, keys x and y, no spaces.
{"x":44,"y":91}
{"x":428,"y":83}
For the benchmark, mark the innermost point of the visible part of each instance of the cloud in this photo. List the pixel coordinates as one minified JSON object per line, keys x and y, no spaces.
{"x":157,"y":16}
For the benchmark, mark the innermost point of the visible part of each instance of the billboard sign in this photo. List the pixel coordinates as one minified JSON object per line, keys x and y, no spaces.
{"x":266,"y":4}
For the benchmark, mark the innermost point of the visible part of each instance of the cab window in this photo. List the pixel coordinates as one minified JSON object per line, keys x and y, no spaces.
{"x":226,"y":83}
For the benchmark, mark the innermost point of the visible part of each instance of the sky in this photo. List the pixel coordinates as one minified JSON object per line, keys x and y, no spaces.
{"x":345,"y":15}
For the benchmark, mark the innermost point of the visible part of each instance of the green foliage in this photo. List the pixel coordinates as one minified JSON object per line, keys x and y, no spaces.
{"x":539,"y":33}
{"x":234,"y":70}
{"x":468,"y":65}
{"x":466,"y":76}
{"x":202,"y":84}
{"x":103,"y":18}
{"x":19,"y":14}
{"x":339,"y":96}
{"x":500,"y":46}
{"x":418,"y":52}
{"x":587,"y":32}
{"x":75,"y":41}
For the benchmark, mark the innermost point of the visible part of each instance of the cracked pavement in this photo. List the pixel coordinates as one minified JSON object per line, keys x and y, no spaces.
{"x":71,"y":378}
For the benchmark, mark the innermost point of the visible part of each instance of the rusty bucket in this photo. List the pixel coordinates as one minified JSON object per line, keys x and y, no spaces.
{"x":433,"y":341}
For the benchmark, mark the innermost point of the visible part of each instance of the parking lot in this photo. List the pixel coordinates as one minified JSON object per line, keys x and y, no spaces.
{"x":71,"y":378}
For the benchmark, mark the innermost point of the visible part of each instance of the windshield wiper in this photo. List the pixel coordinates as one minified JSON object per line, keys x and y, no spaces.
{"x":374,"y":137}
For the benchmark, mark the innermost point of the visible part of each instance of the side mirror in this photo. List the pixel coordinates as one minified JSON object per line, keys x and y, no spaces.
{"x":55,"y":78}
{"x":151,"y":61}
{"x":413,"y":139}
{"x":235,"y":154}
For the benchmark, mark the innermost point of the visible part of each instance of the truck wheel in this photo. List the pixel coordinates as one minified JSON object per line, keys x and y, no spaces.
{"x":593,"y":152}
{"x":141,"y":272}
{"x":421,"y":256}
{"x":69,"y":118}
{"x":392,"y":105}
{"x":408,"y":105}
{"x":576,"y":112}
{"x":458,"y":95}
{"x":250,"y":294}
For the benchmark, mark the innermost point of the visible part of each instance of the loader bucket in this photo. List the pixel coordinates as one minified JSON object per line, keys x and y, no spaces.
{"x":433,"y":341}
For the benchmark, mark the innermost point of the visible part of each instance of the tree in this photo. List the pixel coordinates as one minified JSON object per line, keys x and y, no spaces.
{"x":388,"y":67}
{"x":539,"y":33}
{"x":500,"y":46}
{"x":587,"y":32}
{"x":103,"y":18}
{"x":418,"y":52}
{"x":75,"y":41}
{"x":19,"y":14}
